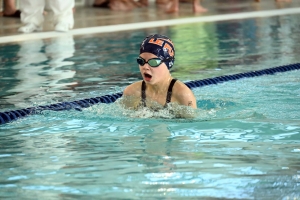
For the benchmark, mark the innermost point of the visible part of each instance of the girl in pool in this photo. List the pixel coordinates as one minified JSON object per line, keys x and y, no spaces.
{"x":158,"y":89}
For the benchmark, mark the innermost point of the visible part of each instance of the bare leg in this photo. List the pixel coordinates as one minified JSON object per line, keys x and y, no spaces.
{"x":143,"y":2}
{"x":161,"y":2}
{"x":131,"y":4}
{"x":197,"y":7}
{"x":9,"y":7}
{"x":138,"y":3}
{"x":173,"y":6}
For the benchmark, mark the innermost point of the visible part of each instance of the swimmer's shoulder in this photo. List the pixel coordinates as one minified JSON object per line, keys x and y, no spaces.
{"x":183,"y":94}
{"x":181,"y":88}
{"x":133,"y":89}
{"x":180,"y":85}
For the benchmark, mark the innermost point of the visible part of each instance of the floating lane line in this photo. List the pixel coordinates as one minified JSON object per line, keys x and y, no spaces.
{"x":152,"y":24}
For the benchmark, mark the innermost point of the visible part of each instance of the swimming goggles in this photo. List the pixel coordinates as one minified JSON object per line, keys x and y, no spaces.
{"x":153,"y":62}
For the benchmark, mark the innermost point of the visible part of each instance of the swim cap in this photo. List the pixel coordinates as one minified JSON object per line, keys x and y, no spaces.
{"x":161,"y":46}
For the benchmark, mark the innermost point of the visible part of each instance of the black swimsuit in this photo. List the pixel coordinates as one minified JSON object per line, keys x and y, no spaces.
{"x":169,"y":94}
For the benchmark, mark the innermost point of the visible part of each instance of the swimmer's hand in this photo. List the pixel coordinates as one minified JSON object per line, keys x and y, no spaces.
{"x":172,"y":110}
{"x":181,"y":111}
{"x":129,"y":102}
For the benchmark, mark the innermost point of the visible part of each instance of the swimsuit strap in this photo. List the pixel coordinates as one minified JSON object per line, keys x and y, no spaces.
{"x":169,"y":94}
{"x":143,"y":94}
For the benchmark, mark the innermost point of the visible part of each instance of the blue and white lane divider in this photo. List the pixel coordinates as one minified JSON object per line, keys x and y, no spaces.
{"x":9,"y":116}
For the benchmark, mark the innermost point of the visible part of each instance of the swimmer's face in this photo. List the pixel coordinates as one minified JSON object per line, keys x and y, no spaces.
{"x":152,"y":74}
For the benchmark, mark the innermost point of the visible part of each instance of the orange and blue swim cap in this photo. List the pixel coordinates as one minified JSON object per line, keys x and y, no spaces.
{"x":161,"y":46}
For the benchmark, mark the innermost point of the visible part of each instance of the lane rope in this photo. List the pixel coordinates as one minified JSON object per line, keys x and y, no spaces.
{"x":9,"y":116}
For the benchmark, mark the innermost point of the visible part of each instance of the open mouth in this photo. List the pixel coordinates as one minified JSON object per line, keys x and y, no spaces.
{"x":147,"y":77}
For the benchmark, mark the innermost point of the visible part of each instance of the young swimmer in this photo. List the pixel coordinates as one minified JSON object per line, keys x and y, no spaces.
{"x":158,"y":88}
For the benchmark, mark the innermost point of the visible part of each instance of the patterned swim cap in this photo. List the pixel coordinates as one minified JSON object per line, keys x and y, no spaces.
{"x":161,"y":46}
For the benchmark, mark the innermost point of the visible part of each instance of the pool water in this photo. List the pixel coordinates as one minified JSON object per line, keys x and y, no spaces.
{"x":244,"y":142}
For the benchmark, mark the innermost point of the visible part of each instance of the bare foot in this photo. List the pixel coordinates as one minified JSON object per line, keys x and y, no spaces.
{"x":11,"y":13}
{"x":199,"y":9}
{"x":8,"y":12}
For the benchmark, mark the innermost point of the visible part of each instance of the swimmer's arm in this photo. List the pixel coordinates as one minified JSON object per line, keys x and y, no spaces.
{"x":186,"y":112}
{"x":188,"y":103}
{"x":186,"y":97}
{"x":130,"y":98}
{"x":191,"y":103}
{"x":189,"y":110}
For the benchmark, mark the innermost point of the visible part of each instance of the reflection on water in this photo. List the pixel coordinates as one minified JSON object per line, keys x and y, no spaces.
{"x":92,"y":66}
{"x":40,"y":70}
{"x":213,"y":49}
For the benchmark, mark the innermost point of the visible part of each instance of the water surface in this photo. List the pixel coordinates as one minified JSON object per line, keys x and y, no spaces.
{"x":243,"y":144}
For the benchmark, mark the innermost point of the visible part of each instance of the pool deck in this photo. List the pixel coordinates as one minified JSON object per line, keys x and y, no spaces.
{"x":89,"y":20}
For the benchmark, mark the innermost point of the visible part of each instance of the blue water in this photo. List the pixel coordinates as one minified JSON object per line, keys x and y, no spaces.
{"x":244,"y":142}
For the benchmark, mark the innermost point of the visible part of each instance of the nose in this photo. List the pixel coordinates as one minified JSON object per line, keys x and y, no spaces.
{"x":146,"y":65}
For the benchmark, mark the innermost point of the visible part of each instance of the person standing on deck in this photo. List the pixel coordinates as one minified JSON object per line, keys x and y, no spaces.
{"x":32,"y":14}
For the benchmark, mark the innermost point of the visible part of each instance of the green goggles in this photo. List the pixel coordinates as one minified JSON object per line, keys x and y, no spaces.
{"x":153,"y":62}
